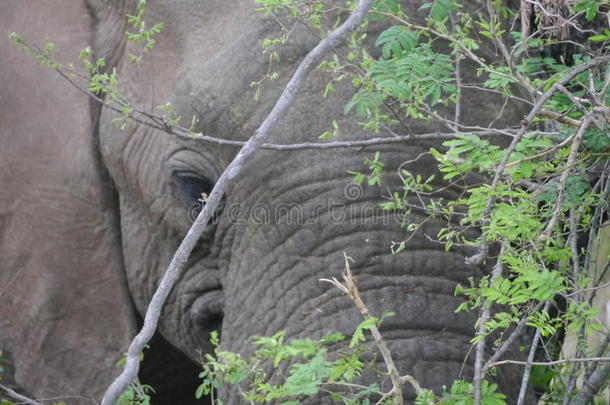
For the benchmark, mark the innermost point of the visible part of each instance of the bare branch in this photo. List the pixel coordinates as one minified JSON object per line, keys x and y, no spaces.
{"x":482,"y":332}
{"x":544,"y":152}
{"x":545,"y":113}
{"x":564,"y":175}
{"x":158,"y":122}
{"x":17,"y":396}
{"x":313,"y":58}
{"x":380,"y":141}
{"x":505,"y":345}
{"x":530,"y":357}
{"x":552,"y":363}
{"x":525,"y":14}
{"x":592,"y":386}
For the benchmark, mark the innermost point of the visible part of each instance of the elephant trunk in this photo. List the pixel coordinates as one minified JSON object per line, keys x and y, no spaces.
{"x":284,"y":242}
{"x":426,"y":338}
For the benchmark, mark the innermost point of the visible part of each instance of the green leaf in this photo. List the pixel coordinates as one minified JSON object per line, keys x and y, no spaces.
{"x":395,"y":40}
{"x":358,"y":335}
{"x":306,"y":378}
{"x":16,"y":38}
{"x":305,"y":348}
{"x":332,"y":337}
{"x":440,"y":9}
{"x":202,"y":389}
{"x":591,"y":8}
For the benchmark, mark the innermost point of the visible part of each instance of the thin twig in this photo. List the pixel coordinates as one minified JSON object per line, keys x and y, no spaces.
{"x":530,"y":357}
{"x":482,"y":332}
{"x":552,"y":363}
{"x":380,"y":141}
{"x":577,"y":102}
{"x":18,"y":397}
{"x":571,"y":122}
{"x":158,"y":122}
{"x":506,"y":344}
{"x":595,"y":225}
{"x":544,"y":152}
{"x":501,"y":45}
{"x":457,"y":114}
{"x":564,"y":175}
{"x":313,"y":59}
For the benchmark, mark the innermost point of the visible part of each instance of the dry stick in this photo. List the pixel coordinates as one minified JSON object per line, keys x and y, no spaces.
{"x":544,"y":152}
{"x":18,"y":397}
{"x":564,"y":175}
{"x":485,"y":315}
{"x":525,"y":13}
{"x":505,"y":345}
{"x":578,"y":298}
{"x":552,"y":363}
{"x":351,"y":290}
{"x":563,"y":119}
{"x":183,"y":132}
{"x":530,"y":358}
{"x":480,"y":257}
{"x":379,"y":141}
{"x":313,"y":59}
{"x":573,"y":99}
{"x":499,"y":43}
{"x":158,"y":122}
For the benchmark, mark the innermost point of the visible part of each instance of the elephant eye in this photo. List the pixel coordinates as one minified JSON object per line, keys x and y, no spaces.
{"x":192,"y":186}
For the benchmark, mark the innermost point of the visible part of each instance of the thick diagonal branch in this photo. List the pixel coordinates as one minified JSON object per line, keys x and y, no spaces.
{"x":313,"y":59}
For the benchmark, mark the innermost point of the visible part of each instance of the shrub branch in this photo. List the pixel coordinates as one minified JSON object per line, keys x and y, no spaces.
{"x":350,"y":288}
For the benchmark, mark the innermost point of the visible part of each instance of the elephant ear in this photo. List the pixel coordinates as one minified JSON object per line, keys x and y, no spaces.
{"x":65,"y":313}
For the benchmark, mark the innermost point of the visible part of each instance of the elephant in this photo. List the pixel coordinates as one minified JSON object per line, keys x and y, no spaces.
{"x":91,"y":214}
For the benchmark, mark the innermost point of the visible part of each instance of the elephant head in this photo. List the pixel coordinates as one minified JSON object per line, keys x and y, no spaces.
{"x":91,"y":214}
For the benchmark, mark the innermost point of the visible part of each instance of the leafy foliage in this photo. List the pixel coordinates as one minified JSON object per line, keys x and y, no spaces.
{"x":301,"y":367}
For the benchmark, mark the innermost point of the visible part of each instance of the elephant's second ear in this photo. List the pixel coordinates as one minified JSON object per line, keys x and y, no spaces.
{"x":65,"y":313}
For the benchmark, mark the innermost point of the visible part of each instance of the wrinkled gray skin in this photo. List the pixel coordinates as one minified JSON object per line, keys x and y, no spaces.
{"x":90,"y":215}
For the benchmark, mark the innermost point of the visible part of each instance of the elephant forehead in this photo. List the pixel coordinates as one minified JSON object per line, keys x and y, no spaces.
{"x":219,"y":62}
